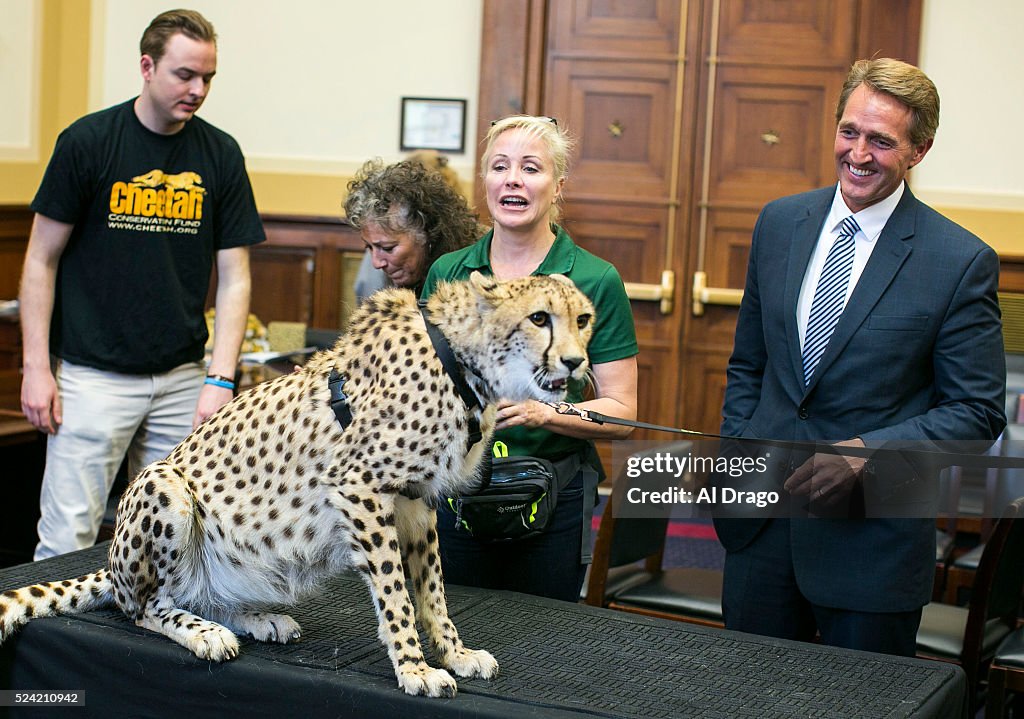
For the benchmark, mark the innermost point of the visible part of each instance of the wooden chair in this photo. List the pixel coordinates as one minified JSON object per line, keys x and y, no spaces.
{"x":1006,"y":674}
{"x":1000,"y":487}
{"x":946,"y":528}
{"x":969,"y":636}
{"x":618,"y":580}
{"x":960,"y":570}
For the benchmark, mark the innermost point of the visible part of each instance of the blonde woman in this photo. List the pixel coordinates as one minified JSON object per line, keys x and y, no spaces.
{"x":524,"y":169}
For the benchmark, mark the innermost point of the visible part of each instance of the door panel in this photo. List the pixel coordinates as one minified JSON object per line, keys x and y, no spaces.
{"x":622,"y":115}
{"x":728,"y":247}
{"x":771,"y":134}
{"x":704,"y":388}
{"x":640,"y":27}
{"x":795,"y":32}
{"x":633,"y":234}
{"x":284,"y":278}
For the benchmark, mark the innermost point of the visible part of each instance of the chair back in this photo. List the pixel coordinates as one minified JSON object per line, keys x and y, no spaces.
{"x":1009,"y":483}
{"x":996,"y":592}
{"x":627,"y":540}
{"x":1002,"y":567}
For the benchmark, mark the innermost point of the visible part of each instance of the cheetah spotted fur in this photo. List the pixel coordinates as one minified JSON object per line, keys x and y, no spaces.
{"x":269,"y":497}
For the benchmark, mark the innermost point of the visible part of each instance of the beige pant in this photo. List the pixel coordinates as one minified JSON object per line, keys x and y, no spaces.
{"x":107,"y":416}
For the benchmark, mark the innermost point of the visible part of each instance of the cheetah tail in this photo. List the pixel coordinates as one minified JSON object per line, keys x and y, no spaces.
{"x":70,"y":596}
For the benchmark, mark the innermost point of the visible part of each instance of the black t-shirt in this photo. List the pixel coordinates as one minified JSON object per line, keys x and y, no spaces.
{"x":149,"y":213}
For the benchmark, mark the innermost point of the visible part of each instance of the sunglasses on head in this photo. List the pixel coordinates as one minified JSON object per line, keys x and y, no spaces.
{"x":552,"y":120}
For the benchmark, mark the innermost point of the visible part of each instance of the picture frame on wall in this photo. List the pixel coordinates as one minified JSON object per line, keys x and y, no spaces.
{"x":433,"y":123}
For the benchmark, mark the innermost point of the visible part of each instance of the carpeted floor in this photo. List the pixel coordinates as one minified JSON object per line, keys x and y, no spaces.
{"x":690,"y":543}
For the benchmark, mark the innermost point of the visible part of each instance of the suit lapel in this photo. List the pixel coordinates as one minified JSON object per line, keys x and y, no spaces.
{"x":886,"y":260}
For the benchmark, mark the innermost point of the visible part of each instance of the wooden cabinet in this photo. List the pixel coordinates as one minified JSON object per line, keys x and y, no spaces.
{"x":304,"y":272}
{"x":15,"y":226}
{"x":690,"y":116}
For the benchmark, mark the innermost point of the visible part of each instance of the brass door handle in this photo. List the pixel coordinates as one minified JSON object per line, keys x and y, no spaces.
{"x":663,"y":293}
{"x":616,"y":129}
{"x":704,"y":295}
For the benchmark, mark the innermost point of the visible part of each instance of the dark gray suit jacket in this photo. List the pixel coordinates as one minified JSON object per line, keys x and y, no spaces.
{"x":917,"y":355}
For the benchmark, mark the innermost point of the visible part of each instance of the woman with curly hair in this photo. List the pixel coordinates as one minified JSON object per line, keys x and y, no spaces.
{"x":408,"y":216}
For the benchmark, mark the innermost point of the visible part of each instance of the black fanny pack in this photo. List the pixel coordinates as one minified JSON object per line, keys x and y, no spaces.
{"x":519,"y":500}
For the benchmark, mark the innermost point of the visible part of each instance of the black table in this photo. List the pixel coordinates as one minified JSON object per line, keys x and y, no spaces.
{"x":557,"y":660}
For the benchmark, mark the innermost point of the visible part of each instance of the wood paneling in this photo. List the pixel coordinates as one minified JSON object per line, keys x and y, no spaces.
{"x":622,"y":113}
{"x":635,"y":237}
{"x":606,"y":27}
{"x":769,"y":138}
{"x":795,"y":32}
{"x":778,"y":70}
{"x":15,"y":225}
{"x":302,"y":273}
{"x":728,"y":246}
{"x":299,"y":274}
{"x":1011,"y":274}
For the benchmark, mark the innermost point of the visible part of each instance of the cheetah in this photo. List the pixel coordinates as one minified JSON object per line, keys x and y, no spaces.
{"x":271,"y":496}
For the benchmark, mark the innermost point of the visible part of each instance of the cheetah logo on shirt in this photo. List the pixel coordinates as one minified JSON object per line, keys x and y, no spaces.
{"x":181,"y":181}
{"x":156,"y":194}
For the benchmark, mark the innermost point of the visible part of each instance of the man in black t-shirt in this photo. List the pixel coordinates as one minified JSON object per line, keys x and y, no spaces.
{"x":137,"y":203}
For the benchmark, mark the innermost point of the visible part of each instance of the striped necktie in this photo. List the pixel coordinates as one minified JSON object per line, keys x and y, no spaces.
{"x":829,"y":296}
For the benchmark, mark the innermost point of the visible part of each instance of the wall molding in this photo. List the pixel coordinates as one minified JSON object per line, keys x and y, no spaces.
{"x":24,"y":42}
{"x":972,"y":199}
{"x":332,"y":168}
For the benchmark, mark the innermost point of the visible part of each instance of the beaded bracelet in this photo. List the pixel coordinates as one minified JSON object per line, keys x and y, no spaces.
{"x":219,"y":381}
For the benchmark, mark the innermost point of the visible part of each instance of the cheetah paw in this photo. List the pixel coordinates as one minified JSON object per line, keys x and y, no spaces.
{"x":265,"y":627}
{"x":425,"y":680}
{"x":218,"y":645}
{"x":473,"y":663}
{"x":283,"y":628}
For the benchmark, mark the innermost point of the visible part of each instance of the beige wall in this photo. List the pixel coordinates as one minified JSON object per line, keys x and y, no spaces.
{"x":53,"y":47}
{"x":311,"y":88}
{"x":972,"y":51}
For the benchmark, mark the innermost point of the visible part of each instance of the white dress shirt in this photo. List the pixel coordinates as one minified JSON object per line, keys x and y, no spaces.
{"x":871,"y":221}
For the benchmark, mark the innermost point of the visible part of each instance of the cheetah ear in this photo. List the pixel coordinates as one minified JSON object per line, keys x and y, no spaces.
{"x":483,"y":285}
{"x":564,"y":280}
{"x":487,"y":288}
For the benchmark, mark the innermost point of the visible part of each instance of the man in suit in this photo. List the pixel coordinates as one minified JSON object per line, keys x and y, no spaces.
{"x":909,"y":349}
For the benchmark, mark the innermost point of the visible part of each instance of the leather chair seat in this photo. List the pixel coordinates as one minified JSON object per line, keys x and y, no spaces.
{"x":942,"y":632}
{"x":618,"y":579}
{"x":969,"y":560}
{"x":689,"y":591}
{"x":1011,"y":651}
{"x":621,"y":579}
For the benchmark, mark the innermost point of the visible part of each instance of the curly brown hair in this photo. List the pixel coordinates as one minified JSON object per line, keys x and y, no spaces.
{"x":407,"y":197}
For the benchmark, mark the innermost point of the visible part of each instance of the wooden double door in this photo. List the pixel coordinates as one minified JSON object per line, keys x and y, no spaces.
{"x":689,"y":117}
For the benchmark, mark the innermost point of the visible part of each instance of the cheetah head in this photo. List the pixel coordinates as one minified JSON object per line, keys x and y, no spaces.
{"x":537,"y":333}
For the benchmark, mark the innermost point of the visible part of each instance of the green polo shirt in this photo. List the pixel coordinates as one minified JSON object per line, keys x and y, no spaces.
{"x":614,"y":336}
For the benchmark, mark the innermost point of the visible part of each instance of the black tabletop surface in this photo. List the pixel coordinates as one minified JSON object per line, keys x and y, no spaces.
{"x":557,"y":660}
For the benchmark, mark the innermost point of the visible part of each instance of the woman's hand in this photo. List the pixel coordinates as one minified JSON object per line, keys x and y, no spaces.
{"x":530,"y":413}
